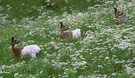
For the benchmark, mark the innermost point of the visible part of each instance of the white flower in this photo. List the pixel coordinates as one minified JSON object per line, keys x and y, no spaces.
{"x":107,"y":58}
{"x":16,"y":74}
{"x":47,"y":0}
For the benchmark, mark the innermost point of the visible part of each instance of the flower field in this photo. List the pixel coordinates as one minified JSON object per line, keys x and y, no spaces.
{"x":106,"y":50}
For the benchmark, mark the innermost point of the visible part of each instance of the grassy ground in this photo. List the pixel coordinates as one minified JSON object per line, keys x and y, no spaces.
{"x":106,"y":50}
{"x":22,"y":9}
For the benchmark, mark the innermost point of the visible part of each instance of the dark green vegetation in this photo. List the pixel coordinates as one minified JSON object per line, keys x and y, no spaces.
{"x":33,"y":8}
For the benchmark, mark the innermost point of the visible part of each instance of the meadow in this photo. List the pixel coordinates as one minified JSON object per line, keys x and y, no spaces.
{"x":106,"y":50}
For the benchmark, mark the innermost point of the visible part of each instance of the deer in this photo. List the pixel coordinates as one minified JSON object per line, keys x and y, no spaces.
{"x":68,"y":35}
{"x":119,"y":19}
{"x":27,"y":50}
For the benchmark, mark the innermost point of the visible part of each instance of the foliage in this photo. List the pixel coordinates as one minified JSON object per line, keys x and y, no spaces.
{"x":33,"y":8}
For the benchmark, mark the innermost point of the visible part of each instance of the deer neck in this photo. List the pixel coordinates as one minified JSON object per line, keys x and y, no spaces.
{"x":116,"y":16}
{"x":65,"y":35}
{"x":61,"y":34}
{"x":16,"y":51}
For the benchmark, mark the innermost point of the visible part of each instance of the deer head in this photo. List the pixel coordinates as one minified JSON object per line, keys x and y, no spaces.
{"x":117,"y":12}
{"x":62,"y":27}
{"x":14,"y":41}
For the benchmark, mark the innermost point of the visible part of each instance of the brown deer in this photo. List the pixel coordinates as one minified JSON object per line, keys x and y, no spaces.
{"x":68,"y":35}
{"x":30,"y":49}
{"x":119,"y":19}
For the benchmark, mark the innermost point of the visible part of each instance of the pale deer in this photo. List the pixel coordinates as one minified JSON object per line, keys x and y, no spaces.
{"x":68,"y":35}
{"x":30,"y":49}
{"x":119,"y":18}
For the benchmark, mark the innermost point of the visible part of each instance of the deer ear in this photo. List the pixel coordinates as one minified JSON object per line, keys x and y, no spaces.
{"x":61,"y":23}
{"x":12,"y":38}
{"x":115,"y":9}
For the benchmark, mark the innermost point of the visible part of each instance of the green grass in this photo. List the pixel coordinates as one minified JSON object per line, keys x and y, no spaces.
{"x":32,"y":9}
{"x":104,"y":50}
